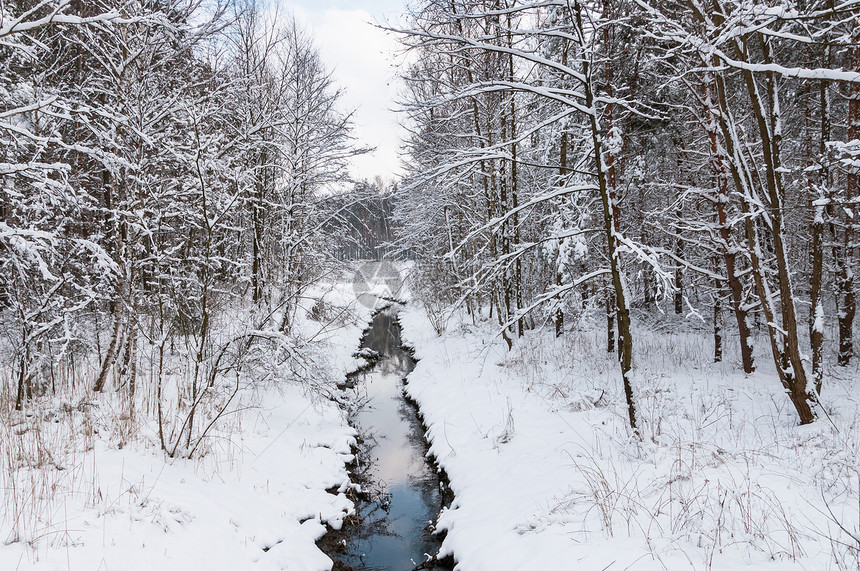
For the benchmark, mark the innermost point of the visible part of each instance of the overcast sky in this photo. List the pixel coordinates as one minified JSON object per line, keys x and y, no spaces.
{"x":362,"y":58}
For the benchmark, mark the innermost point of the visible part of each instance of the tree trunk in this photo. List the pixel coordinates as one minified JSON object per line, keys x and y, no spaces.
{"x":816,"y":320}
{"x":23,"y":378}
{"x":558,"y":317}
{"x":771,"y":134}
{"x":718,"y":325}
{"x":845,"y":277}
{"x":610,"y":227}
{"x":610,"y":322}
{"x":679,"y":278}
{"x":113,"y":348}
{"x":816,"y":330}
{"x":784,"y":340}
{"x":562,"y":175}
{"x":729,"y":248}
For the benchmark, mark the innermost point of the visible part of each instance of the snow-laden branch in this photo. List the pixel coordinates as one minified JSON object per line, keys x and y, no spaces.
{"x":29,"y":21}
{"x":554,"y":293}
{"x":513,"y":212}
{"x":820,"y":74}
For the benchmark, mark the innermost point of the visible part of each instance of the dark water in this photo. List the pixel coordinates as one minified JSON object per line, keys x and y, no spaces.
{"x":402,"y":493}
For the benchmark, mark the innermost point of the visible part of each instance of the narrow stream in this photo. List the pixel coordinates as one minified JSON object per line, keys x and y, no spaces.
{"x":401,"y":498}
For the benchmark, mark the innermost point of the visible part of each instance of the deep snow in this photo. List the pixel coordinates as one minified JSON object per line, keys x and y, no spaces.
{"x":547,"y":475}
{"x":257,"y":500}
{"x":545,"y":472}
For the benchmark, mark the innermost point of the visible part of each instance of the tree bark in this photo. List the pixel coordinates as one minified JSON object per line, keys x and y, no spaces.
{"x":845,"y":276}
{"x":610,"y":226}
{"x":718,"y":325}
{"x":113,"y":348}
{"x":784,"y":340}
{"x":728,"y":246}
{"x":817,"y":195}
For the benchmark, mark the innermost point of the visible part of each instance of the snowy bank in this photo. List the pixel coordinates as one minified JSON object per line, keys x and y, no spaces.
{"x":546,"y":474}
{"x":80,"y":495}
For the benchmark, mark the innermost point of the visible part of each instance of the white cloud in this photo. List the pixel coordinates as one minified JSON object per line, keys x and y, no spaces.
{"x":362,"y":58}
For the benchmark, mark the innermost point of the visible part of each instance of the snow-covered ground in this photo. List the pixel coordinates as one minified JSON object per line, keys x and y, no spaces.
{"x":546,"y":474}
{"x":77,"y":494}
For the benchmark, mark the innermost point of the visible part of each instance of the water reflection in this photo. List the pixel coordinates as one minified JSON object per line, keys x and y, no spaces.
{"x":403,"y":496}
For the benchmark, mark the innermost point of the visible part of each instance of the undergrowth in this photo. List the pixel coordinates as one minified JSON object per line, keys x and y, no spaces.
{"x":720,"y":465}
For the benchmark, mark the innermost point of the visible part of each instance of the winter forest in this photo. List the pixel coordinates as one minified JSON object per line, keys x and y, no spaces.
{"x":607,"y":301}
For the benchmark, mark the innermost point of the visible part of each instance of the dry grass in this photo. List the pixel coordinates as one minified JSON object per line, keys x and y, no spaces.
{"x":722,"y":466}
